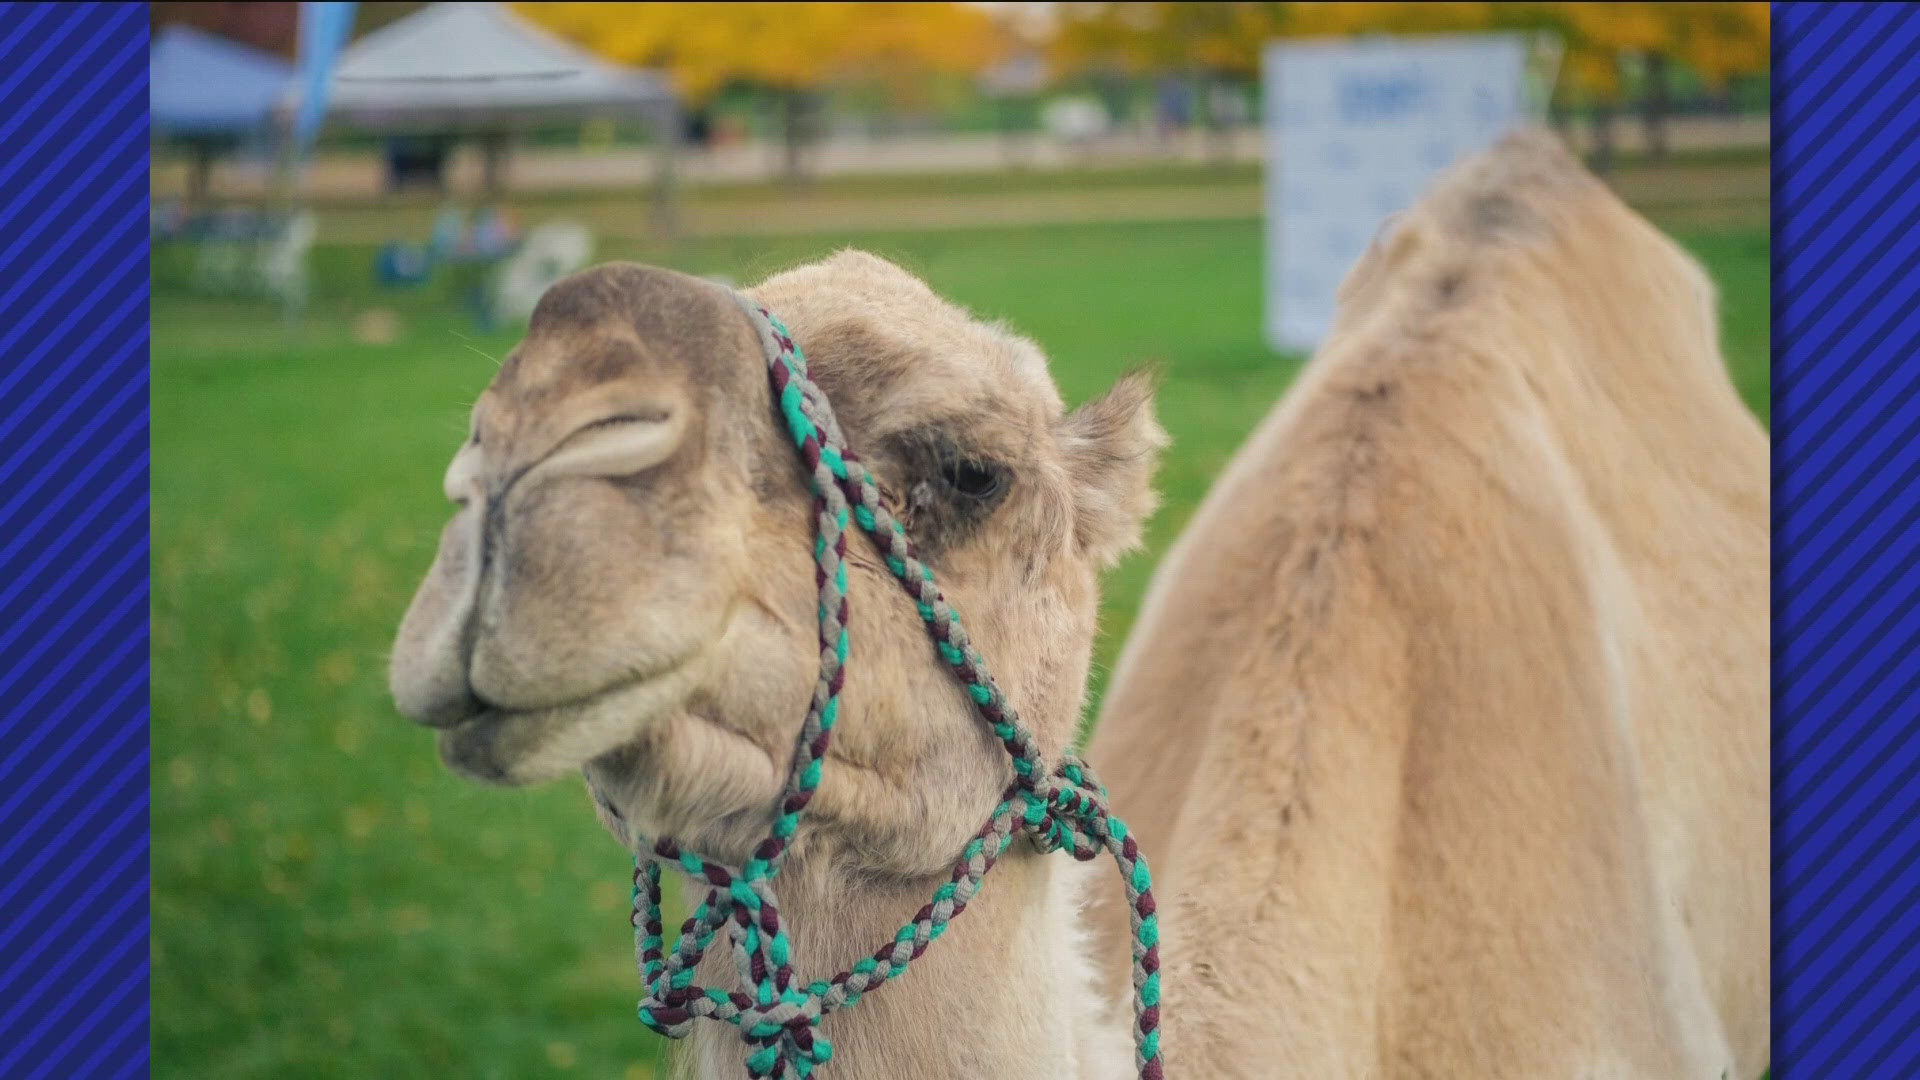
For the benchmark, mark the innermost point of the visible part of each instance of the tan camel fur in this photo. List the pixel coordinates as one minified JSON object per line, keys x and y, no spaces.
{"x":626,"y":588}
{"x":1445,"y":721}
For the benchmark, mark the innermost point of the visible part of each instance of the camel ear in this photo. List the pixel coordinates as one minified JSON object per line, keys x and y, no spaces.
{"x":1112,"y":446}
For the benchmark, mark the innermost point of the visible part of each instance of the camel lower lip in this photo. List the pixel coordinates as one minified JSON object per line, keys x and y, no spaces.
{"x":469,"y":747}
{"x":515,"y":746}
{"x":491,"y":745}
{"x":480,"y":711}
{"x":529,"y":743}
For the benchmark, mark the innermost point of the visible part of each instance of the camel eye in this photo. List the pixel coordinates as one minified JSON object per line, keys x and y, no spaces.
{"x":974,"y":479}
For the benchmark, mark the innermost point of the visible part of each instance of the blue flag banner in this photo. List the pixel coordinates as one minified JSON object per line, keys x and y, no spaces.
{"x":323,"y":31}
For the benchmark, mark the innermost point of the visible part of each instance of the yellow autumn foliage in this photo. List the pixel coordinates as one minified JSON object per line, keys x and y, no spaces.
{"x":797,"y":46}
{"x":1716,"y":40}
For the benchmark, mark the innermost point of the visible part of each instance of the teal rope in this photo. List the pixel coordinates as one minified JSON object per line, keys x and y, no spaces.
{"x":1064,"y":808}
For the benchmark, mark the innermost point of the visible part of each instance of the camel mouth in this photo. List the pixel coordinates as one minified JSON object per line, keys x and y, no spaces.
{"x":520,"y":746}
{"x":531,"y":741}
{"x":472,"y":747}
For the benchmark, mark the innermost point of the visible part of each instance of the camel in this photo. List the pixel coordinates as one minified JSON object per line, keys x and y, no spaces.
{"x":1446,"y":717}
{"x":626,"y":590}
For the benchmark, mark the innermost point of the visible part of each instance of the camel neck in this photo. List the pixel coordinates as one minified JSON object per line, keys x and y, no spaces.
{"x":1004,"y":993}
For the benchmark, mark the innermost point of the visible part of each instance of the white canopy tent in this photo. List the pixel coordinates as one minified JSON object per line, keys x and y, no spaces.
{"x":481,"y":70}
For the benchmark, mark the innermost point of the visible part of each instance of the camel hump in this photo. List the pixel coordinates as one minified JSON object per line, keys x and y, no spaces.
{"x":1451,"y":701}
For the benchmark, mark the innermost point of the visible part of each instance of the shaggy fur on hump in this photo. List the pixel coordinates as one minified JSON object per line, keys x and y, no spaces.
{"x":1445,"y":721}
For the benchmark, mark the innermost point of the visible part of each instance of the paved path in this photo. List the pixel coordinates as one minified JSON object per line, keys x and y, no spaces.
{"x":1674,"y":195}
{"x":345,"y":176}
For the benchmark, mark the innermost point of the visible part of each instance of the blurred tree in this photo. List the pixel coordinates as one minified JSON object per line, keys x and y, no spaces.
{"x":272,"y":27}
{"x":374,"y":14}
{"x":1218,"y":45}
{"x":1214,"y":47}
{"x":1718,"y":41}
{"x":1598,"y":38}
{"x":1721,"y":42}
{"x":1227,"y":38}
{"x":794,"y":51}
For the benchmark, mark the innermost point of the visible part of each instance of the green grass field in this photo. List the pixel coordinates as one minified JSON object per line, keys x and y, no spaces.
{"x":327,"y":900}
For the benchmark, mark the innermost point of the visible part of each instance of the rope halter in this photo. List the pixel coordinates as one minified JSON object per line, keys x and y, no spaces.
{"x":1062,"y":808}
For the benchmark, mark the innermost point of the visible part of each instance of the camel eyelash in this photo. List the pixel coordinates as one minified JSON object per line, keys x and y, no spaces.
{"x":981,"y":481}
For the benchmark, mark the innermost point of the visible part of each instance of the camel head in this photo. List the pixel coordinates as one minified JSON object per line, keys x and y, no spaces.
{"x":627,"y":586}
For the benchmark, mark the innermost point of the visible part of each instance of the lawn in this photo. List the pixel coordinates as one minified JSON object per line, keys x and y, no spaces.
{"x":327,"y":900}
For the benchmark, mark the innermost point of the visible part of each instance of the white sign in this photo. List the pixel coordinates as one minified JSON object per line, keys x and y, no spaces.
{"x":1355,"y":131}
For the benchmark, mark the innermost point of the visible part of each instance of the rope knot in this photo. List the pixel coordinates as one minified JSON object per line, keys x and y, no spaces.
{"x":787,"y":1037}
{"x":792,"y":1052}
{"x":1065,"y":810}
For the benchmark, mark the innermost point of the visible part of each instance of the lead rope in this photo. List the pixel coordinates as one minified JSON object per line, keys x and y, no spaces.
{"x":1059,"y":809}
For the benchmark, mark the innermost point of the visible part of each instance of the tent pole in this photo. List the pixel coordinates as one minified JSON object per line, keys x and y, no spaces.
{"x":199,"y":174}
{"x":666,"y":128}
{"x":493,"y":164}
{"x":284,"y":200}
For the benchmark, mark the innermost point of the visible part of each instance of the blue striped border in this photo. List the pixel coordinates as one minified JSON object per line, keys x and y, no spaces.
{"x":73,"y":540}
{"x":1846,"y":750}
